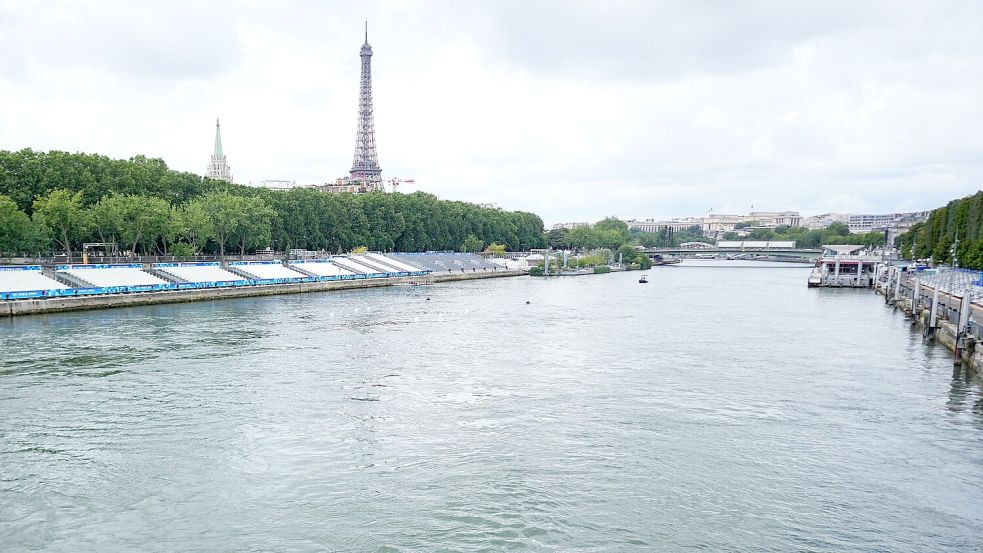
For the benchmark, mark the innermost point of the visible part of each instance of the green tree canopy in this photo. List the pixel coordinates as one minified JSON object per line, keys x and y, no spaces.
{"x":62,"y":213}
{"x":18,"y":234}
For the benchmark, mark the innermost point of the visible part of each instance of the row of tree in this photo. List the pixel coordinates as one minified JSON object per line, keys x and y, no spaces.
{"x":837,"y":233}
{"x":960,"y":219}
{"x":612,"y":233}
{"x":57,"y":200}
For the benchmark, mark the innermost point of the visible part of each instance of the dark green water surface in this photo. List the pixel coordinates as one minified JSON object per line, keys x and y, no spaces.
{"x":713,"y":409}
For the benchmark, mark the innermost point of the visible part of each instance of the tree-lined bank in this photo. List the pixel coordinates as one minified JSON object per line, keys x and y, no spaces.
{"x":962,"y":219}
{"x":56,"y":201}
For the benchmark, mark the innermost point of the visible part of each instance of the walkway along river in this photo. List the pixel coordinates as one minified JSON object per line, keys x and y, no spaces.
{"x":713,"y":409}
{"x":945,"y":303}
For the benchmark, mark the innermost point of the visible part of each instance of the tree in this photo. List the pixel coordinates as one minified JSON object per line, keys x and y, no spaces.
{"x":649,"y":239}
{"x":254,"y":225}
{"x":224,"y":211}
{"x":642,"y":261}
{"x":557,"y":238}
{"x":625,"y":253}
{"x":17,"y":232}
{"x":194,"y":225}
{"x":136,"y":220}
{"x":61,"y":212}
{"x":302,"y":218}
{"x":584,"y":238}
{"x":471,"y":244}
{"x":613,"y":224}
{"x":495,"y":249}
{"x":106,"y":217}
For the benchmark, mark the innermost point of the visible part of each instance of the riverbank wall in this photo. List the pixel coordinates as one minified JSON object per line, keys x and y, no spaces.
{"x":957,"y":326}
{"x":36,"y":306}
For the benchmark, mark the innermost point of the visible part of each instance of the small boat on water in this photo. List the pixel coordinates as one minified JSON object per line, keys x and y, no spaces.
{"x":643,"y":279}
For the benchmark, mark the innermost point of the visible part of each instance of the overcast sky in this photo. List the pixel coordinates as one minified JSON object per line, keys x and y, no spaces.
{"x":572,"y":110}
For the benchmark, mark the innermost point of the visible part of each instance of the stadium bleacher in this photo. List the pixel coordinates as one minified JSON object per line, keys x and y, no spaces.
{"x":355,"y":266}
{"x":396,"y":264}
{"x":321,"y":268}
{"x":198,"y":272}
{"x":26,"y":278}
{"x":267,"y":270}
{"x":112,"y":275}
{"x":443,"y":262}
{"x":378,"y":266}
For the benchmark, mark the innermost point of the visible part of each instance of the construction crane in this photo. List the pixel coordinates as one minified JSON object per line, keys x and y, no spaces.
{"x":396,"y":181}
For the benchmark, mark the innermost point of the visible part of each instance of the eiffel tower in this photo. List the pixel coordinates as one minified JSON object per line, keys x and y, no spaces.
{"x":365,"y":167}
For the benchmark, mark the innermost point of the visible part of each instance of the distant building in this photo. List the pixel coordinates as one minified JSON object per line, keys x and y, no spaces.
{"x":218,"y":166}
{"x":716,"y":224}
{"x":891,"y":224}
{"x":868,"y":223}
{"x":569,"y":226}
{"x":772,"y":219}
{"x":274,"y":184}
{"x":819,"y":222}
{"x":344,"y":184}
{"x":653,"y":225}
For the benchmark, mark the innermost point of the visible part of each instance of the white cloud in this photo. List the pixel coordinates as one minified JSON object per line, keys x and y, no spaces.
{"x":571,"y":110}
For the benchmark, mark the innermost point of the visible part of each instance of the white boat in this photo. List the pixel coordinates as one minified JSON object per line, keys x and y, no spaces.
{"x":844,"y":266}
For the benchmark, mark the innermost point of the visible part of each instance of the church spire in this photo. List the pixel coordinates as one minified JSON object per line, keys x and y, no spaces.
{"x":218,"y":140}
{"x":218,"y":167}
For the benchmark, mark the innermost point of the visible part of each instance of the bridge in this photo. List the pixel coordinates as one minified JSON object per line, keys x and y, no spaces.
{"x":775,"y":254}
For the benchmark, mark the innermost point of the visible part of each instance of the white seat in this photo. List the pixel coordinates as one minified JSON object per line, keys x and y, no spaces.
{"x":27,"y":280}
{"x":268,"y":270}
{"x":104,"y":277}
{"x":201,"y":273}
{"x":322,"y":268}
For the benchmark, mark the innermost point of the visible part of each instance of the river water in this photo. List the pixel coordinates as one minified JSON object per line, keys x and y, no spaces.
{"x":717,"y":408}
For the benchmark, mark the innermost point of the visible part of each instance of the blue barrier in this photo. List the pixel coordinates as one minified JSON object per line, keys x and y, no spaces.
{"x":198,"y":264}
{"x":20,"y":268}
{"x":24,"y":294}
{"x":100,"y":266}
{"x":70,"y":292}
{"x":239,"y":263}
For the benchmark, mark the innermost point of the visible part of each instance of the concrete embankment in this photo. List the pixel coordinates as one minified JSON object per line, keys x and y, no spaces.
{"x":77,"y":303}
{"x":963,"y":338}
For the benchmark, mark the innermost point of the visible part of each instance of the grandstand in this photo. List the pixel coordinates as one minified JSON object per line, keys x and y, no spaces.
{"x":396,"y":264}
{"x":26,"y":278}
{"x":104,"y":276}
{"x":198,"y":272}
{"x":266,"y":269}
{"x":324,"y":268}
{"x":356,"y":267}
{"x":443,"y":262}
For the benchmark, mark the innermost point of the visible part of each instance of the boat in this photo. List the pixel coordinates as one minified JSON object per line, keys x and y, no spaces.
{"x":845,"y":266}
{"x":659,"y":259}
{"x":643,"y":279}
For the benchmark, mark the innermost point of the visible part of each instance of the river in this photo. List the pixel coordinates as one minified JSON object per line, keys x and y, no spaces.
{"x":716,"y":408}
